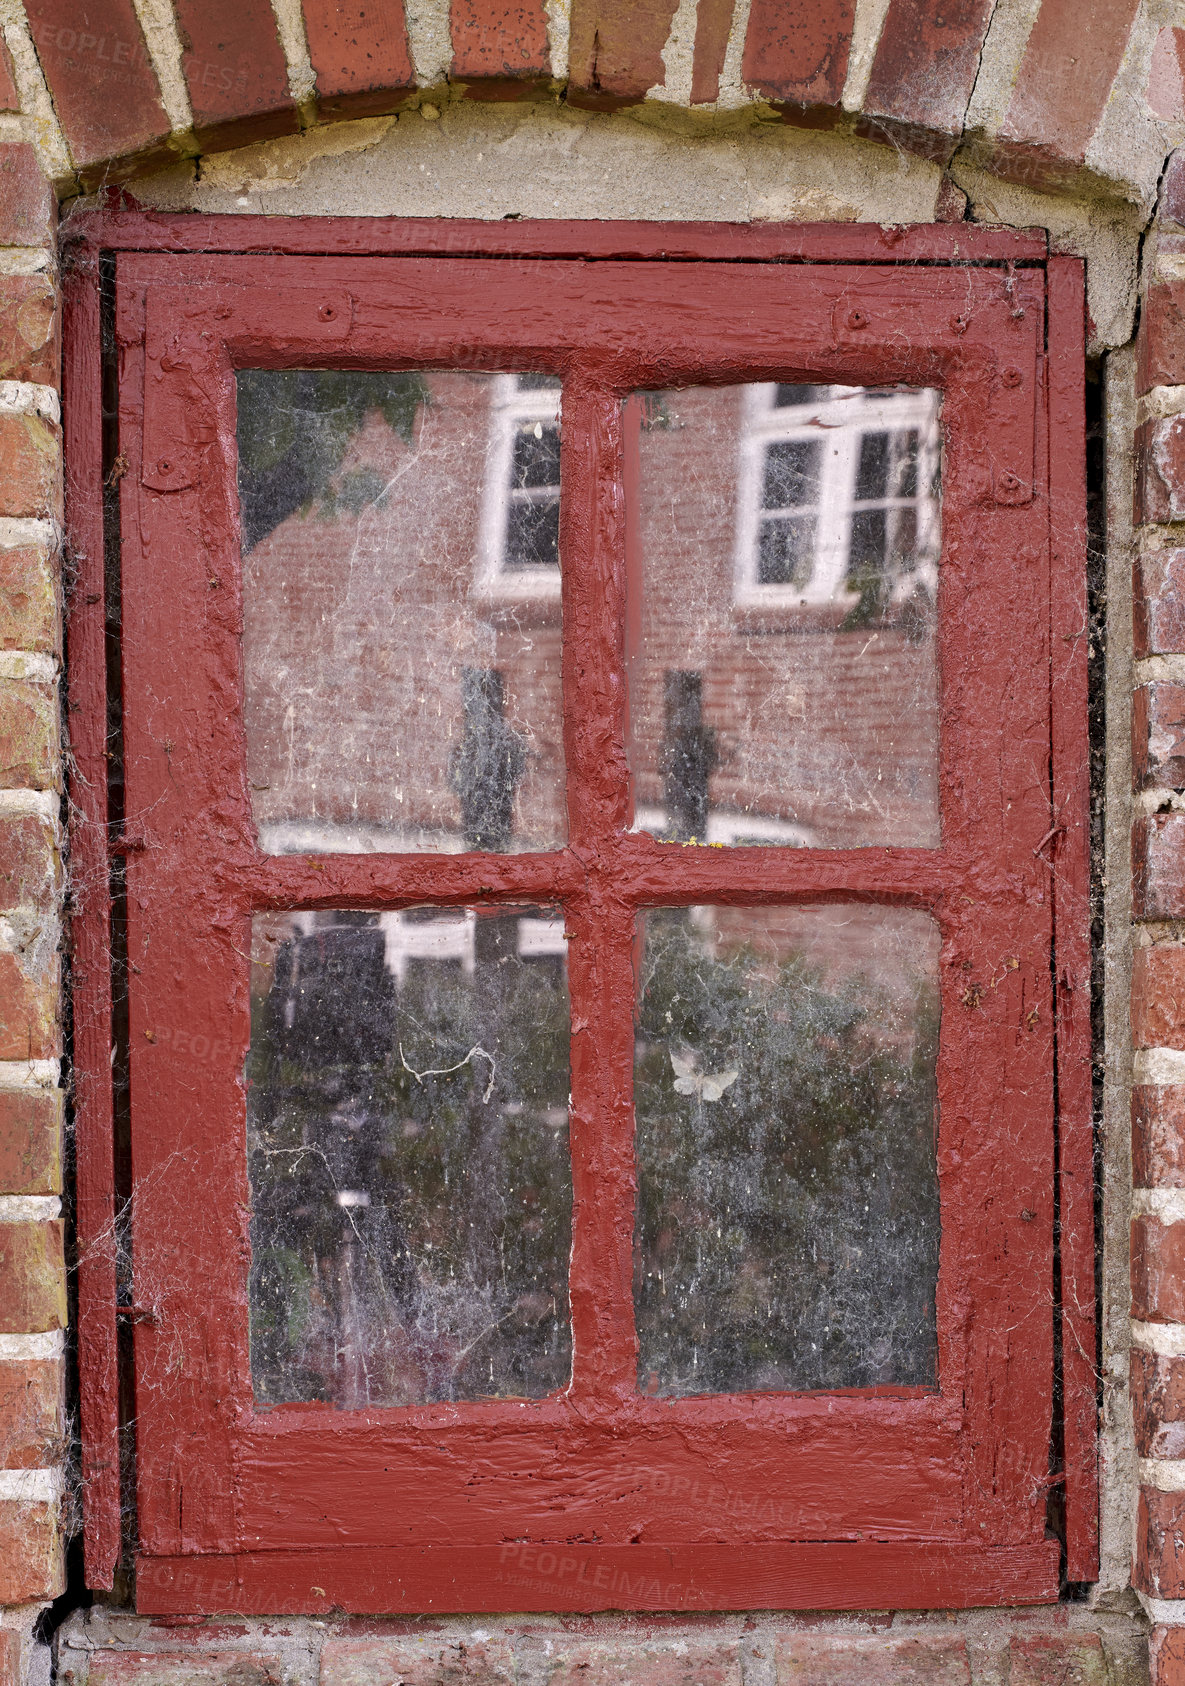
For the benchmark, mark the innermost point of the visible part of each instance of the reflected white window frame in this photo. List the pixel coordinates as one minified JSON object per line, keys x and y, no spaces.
{"x":730,"y":829}
{"x":510,"y":407}
{"x":839,"y":420}
{"x":452,"y":935}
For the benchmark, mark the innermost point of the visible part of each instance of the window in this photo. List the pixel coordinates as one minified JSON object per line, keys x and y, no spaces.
{"x":837,"y":502}
{"x":591,"y":1066}
{"x":521,"y":508}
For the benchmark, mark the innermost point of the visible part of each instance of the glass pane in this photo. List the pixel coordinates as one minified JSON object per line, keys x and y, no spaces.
{"x":401,"y":617}
{"x":784,"y":1085}
{"x":407,"y":1118}
{"x":785,"y":562}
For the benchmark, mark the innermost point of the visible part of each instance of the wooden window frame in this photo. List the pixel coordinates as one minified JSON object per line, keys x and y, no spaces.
{"x":600,"y":1498}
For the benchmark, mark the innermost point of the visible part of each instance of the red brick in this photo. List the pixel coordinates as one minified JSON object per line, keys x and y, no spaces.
{"x":30,"y":1413}
{"x":1160,"y":1544}
{"x":30,"y":1552}
{"x":32,"y":1277}
{"x":28,"y":1009}
{"x":1166,"y":1653}
{"x":9,"y":98}
{"x":797,"y":50}
{"x":1160,"y":470}
{"x":187,"y":1668}
{"x":1158,"y":1136}
{"x":696,"y":1662}
{"x":30,"y":1141}
{"x":1158,"y":1404}
{"x":1162,"y":336}
{"x":29,"y":867}
{"x":28,"y":600}
{"x":101,"y":77}
{"x":1166,"y":77}
{"x":1158,"y":606}
{"x":10,"y":1657}
{"x":1066,"y":74}
{"x":1158,"y":997}
{"x":1158,"y":1271}
{"x":360,"y":53}
{"x":1057,"y":1659}
{"x":713,"y":20}
{"x":829,"y":1659}
{"x":234,"y":68}
{"x":28,"y":736}
{"x":30,"y":349}
{"x":1172,"y":184}
{"x":432,"y":1660}
{"x":499,"y":41}
{"x":926,"y":62}
{"x":1158,"y":866}
{"x":30,"y":467}
{"x":28,"y":206}
{"x":615,"y":50}
{"x":1158,"y":736}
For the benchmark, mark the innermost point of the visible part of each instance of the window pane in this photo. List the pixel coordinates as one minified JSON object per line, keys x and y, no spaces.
{"x":533,"y":534}
{"x":785,"y":556}
{"x":791,"y":473}
{"x":401,"y":610}
{"x":784,"y":1083}
{"x":537,"y":456}
{"x":785,"y":547}
{"x":407,"y":1116}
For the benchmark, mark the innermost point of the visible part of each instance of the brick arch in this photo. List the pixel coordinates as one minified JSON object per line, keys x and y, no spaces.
{"x":223,"y":76}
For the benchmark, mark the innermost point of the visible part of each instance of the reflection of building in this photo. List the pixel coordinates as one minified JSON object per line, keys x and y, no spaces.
{"x":403,"y":625}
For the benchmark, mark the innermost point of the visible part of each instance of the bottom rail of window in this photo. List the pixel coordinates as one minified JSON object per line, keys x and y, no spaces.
{"x":384,"y":1580}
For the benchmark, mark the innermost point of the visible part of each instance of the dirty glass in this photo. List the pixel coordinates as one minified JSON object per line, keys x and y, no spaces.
{"x":784,"y":1080}
{"x":401,"y":618}
{"x":407,"y":1113}
{"x":783,"y":678}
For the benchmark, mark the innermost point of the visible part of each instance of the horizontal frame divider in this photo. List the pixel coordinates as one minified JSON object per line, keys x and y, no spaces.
{"x":643,"y":872}
{"x":843,"y":1575}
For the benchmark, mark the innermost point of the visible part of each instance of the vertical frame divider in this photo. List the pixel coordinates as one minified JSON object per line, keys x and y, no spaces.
{"x":600,"y":924}
{"x":98,"y":1378}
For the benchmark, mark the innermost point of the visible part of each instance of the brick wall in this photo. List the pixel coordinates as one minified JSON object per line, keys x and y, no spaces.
{"x":1035,"y":118}
{"x":1158,"y":962}
{"x":32,"y":1275}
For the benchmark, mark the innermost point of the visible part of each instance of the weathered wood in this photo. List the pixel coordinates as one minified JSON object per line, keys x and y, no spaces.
{"x":225,"y":1492}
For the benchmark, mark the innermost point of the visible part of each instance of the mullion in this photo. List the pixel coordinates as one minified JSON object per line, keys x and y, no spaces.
{"x":592,"y":573}
{"x":599,"y":923}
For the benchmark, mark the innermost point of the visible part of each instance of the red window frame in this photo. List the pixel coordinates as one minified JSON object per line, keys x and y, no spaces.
{"x":600,"y":1498}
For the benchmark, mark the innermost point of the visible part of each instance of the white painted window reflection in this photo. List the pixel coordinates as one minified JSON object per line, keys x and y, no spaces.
{"x":836,"y":494}
{"x":521,"y":504}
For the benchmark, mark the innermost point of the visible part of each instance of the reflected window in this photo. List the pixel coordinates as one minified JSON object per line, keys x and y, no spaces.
{"x":389,"y":707}
{"x":802,"y":708}
{"x":521,"y":508}
{"x":837,"y":496}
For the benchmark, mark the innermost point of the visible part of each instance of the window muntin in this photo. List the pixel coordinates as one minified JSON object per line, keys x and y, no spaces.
{"x":838,"y":500}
